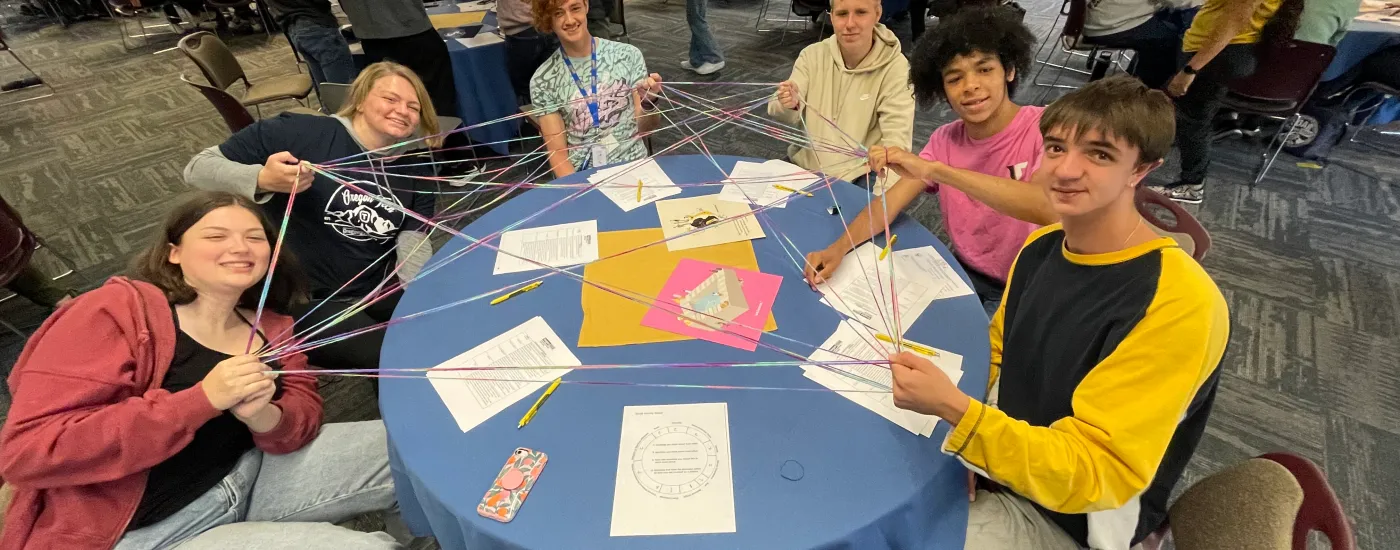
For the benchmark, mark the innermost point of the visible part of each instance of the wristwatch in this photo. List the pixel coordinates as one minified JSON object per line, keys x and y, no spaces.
{"x":1188,"y":69}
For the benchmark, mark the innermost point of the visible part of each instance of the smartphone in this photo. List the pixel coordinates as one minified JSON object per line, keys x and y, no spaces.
{"x":512,"y":485}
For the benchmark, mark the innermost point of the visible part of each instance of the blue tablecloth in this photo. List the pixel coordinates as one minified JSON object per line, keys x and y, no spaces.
{"x":484,"y":92}
{"x":868,"y":483}
{"x":1353,"y":48}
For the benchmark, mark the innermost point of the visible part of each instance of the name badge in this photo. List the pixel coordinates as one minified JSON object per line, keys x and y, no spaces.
{"x":599,"y":155}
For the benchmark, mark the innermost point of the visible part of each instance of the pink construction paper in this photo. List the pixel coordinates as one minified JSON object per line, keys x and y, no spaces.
{"x":760,"y":289}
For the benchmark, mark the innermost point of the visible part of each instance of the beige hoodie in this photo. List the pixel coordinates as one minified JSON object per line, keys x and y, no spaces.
{"x":873,"y":103}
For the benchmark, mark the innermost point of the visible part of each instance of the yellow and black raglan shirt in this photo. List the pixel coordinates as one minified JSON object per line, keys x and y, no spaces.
{"x":1105,"y":372}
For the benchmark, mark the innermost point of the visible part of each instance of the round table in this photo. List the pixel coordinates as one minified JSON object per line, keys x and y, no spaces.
{"x":867,"y":483}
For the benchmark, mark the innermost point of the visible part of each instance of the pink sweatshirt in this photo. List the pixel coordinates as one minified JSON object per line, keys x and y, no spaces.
{"x":984,"y":239}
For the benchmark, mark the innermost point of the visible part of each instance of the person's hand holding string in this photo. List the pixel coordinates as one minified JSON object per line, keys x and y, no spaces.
{"x":922,"y":387}
{"x":235,"y":379}
{"x":651,"y":87}
{"x":788,"y":95}
{"x":283,"y":173}
{"x":904,"y":163}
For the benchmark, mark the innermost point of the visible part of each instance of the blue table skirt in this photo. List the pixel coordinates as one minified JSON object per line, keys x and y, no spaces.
{"x":484,"y":92}
{"x":867,"y":484}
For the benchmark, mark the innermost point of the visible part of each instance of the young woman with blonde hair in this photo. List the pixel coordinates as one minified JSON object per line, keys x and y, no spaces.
{"x":340,"y":232}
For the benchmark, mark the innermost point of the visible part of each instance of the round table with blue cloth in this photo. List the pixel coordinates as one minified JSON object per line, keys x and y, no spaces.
{"x":865,"y":482}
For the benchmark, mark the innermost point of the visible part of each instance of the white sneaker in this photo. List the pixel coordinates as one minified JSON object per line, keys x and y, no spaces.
{"x":704,"y":68}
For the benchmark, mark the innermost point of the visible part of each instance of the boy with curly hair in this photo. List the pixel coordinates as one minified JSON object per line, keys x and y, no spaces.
{"x":980,"y":164}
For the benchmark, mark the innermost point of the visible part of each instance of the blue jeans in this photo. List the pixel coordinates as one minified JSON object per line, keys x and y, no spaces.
{"x":286,"y":501}
{"x":703,"y":48}
{"x":325,"y":51}
{"x":1157,"y":42}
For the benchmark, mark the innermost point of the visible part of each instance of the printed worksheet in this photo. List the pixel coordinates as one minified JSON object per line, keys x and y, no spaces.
{"x":864,"y":289}
{"x":634,"y":184}
{"x":521,"y":360}
{"x":762,"y":183}
{"x":852,"y":342}
{"x":944,"y":279}
{"x":704,"y":221}
{"x":673,"y":471}
{"x":554,"y":246}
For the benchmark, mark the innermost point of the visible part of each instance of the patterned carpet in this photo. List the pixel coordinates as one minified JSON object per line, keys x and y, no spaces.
{"x":1309,"y":259}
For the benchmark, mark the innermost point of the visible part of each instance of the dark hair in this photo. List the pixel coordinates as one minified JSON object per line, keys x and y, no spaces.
{"x":1119,"y":107}
{"x":993,"y":30}
{"x":153,"y":264}
{"x":1282,"y":24}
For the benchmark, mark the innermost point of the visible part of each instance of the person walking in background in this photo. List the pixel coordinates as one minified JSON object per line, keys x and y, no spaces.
{"x":315,"y":33}
{"x":705,"y":57}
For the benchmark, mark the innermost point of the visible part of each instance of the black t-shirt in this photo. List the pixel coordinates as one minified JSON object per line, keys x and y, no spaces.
{"x":209,"y":457}
{"x":336,"y":232}
{"x":288,"y":11}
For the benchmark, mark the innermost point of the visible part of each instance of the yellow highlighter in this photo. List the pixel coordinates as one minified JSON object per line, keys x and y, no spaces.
{"x":924,"y":350}
{"x":791,"y":190}
{"x":888,"y":246}
{"x":516,"y":292}
{"x":530,"y":414}
{"x":639,"y":190}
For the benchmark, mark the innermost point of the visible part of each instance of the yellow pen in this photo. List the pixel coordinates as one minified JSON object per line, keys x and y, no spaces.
{"x":639,"y":190}
{"x":530,"y":414}
{"x":791,"y":190}
{"x":916,"y":347}
{"x":520,"y":290}
{"x":888,"y":245}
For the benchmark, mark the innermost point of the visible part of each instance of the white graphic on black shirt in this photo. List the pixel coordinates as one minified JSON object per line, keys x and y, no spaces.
{"x":360,"y":217}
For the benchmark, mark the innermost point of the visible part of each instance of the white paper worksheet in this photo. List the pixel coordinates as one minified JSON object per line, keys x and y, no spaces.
{"x":474,"y":396}
{"x":705,"y":221}
{"x":756,"y":182}
{"x":482,"y":38}
{"x":945,"y":280}
{"x":620,"y":183}
{"x":552,"y":245}
{"x":854,"y":342}
{"x":673,"y":471}
{"x":861,"y":288}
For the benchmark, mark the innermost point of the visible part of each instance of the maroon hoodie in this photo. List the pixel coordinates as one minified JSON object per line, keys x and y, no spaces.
{"x":89,"y":419}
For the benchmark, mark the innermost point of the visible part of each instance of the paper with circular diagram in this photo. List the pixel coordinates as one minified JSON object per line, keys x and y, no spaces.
{"x":673,"y":471}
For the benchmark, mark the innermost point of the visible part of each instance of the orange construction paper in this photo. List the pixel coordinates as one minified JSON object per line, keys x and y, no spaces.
{"x":611,"y":320}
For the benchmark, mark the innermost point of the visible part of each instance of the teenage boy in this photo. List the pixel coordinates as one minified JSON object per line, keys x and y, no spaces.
{"x":1104,"y":353}
{"x":595,"y":92}
{"x":980,"y":164}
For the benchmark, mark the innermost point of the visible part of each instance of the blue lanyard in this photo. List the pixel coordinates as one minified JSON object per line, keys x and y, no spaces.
{"x":591,"y":99}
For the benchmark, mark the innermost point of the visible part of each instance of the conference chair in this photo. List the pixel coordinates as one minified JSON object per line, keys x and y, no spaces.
{"x":1386,"y":93}
{"x":1285,"y":77}
{"x":222,"y":70}
{"x":140,"y":16}
{"x":1169,"y":219}
{"x":235,"y":115}
{"x":1070,"y":42}
{"x":1272,"y":502}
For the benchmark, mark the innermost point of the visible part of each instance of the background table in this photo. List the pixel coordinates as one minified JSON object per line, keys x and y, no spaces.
{"x":483,"y":85}
{"x":868,"y":483}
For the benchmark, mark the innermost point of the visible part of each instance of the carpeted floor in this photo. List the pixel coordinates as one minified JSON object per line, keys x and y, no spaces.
{"x":1309,"y":259}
